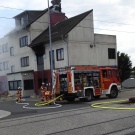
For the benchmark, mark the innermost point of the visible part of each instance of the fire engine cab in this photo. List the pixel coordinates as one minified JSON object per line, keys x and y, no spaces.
{"x":86,"y":82}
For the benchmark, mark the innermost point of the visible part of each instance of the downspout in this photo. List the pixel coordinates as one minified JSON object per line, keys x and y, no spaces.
{"x":67,"y":48}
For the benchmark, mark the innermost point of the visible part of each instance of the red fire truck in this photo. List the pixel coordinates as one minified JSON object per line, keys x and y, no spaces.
{"x":86,"y":82}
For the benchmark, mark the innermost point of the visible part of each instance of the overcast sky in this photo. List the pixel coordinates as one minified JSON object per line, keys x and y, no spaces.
{"x":112,"y":17}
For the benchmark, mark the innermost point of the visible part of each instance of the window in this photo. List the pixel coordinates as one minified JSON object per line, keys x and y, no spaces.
{"x":5,"y":48}
{"x":60,"y":54}
{"x":40,"y":60}
{"x":1,"y":66}
{"x":13,"y":85}
{"x":25,"y":61}
{"x":109,"y":73}
{"x":111,"y":53}
{"x":104,"y":73}
{"x":28,"y":84}
{"x":11,"y":51}
{"x":22,"y":21}
{"x":6,"y":65}
{"x":12,"y":69}
{"x":24,"y":41}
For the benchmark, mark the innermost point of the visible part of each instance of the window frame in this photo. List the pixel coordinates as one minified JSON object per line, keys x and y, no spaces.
{"x":25,"y":61}
{"x":11,"y":51}
{"x":6,"y":65}
{"x":23,"y":41}
{"x":19,"y":84}
{"x":60,"y":54}
{"x":1,"y":66}
{"x":12,"y":68}
{"x":21,"y":21}
{"x":5,"y":48}
{"x":111,"y":53}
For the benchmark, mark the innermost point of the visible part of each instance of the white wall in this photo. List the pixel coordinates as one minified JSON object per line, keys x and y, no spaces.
{"x":4,"y":56}
{"x":84,"y":48}
{"x":38,"y":26}
{"x":55,"y":45}
{"x":21,"y":76}
{"x":83,"y":31}
{"x":20,"y":52}
{"x":80,"y":39}
{"x":81,"y":54}
{"x":103,"y":42}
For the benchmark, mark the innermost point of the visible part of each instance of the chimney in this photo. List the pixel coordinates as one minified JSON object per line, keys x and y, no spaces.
{"x":56,"y":18}
{"x":56,"y":14}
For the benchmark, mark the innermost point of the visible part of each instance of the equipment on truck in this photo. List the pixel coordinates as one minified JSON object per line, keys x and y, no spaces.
{"x":86,"y":82}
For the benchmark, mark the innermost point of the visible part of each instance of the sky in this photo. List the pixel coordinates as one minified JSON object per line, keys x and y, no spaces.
{"x":112,"y":17}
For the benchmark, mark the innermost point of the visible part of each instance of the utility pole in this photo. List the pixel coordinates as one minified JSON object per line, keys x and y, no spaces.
{"x":50,"y":40}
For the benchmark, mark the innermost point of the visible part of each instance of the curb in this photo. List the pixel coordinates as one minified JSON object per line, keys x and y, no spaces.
{"x":127,"y":89}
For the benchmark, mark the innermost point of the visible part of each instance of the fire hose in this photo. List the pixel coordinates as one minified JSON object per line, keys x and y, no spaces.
{"x":100,"y":105}
{"x":26,"y":105}
{"x":48,"y":102}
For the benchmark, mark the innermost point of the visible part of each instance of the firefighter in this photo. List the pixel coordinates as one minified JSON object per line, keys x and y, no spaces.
{"x":19,"y":94}
{"x":48,"y":95}
{"x":43,"y":90}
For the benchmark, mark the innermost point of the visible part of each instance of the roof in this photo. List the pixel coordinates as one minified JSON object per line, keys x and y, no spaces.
{"x":33,"y":15}
{"x":28,"y":11}
{"x":59,"y":30}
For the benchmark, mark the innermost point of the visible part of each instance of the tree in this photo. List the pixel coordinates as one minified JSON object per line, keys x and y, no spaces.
{"x":124,"y":65}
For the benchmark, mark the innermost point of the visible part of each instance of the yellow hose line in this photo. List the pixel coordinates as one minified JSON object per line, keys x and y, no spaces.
{"x":97,"y":105}
{"x":48,"y":102}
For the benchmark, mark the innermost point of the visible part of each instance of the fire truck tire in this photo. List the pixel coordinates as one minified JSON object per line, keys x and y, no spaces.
{"x":89,"y":96}
{"x":113,"y":93}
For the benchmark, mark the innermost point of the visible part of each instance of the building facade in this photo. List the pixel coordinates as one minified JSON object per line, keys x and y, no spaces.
{"x":25,"y":51}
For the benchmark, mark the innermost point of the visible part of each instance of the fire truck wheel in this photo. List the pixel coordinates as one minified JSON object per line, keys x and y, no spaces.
{"x":113,"y":93}
{"x":89,"y":96}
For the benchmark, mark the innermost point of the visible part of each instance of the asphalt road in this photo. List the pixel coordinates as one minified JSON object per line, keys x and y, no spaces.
{"x":77,"y":118}
{"x":17,"y":110}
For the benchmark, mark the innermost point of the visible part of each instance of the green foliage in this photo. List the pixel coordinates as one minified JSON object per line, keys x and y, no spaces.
{"x":124,"y":65}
